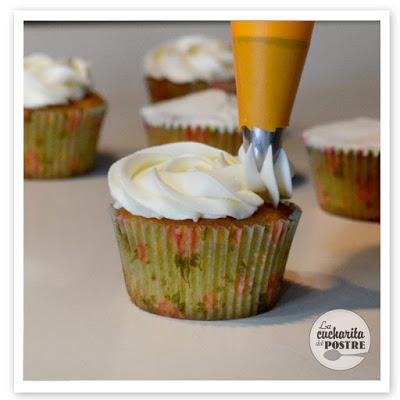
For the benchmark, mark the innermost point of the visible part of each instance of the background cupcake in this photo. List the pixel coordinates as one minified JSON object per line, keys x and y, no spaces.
{"x":62,"y":117}
{"x":345,"y":163}
{"x":209,"y":116}
{"x":189,"y":64}
{"x":213,"y":250}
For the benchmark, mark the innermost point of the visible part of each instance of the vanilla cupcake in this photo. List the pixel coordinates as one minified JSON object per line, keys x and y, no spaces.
{"x":209,"y":117}
{"x":201,"y":234}
{"x":62,"y":117}
{"x":189,"y":64}
{"x":345,"y":163}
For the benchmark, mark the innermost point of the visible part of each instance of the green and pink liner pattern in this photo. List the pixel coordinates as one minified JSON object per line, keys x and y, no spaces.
{"x":200,"y":271}
{"x":61,"y":143}
{"x":347,"y":182}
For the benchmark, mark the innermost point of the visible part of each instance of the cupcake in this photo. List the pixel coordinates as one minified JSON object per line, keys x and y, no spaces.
{"x":62,"y":117}
{"x":189,"y":64}
{"x":209,"y":116}
{"x":201,"y":234}
{"x":345,"y":163}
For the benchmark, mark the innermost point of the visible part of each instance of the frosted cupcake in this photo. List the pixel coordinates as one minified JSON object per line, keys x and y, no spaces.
{"x":201,"y":234}
{"x":209,"y":116}
{"x":189,"y":64}
{"x":345,"y":163}
{"x":62,"y":117}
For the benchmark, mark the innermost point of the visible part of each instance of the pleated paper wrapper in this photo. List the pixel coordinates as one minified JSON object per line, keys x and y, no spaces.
{"x":61,"y":143}
{"x":203,"y":272}
{"x":224,"y":140}
{"x":347,"y":182}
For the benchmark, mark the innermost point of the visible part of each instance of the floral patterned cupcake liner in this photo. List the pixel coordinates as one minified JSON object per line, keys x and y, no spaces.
{"x":347,"y":183}
{"x":227,"y":141}
{"x":203,"y":272}
{"x":61,"y":143}
{"x":164,"y":89}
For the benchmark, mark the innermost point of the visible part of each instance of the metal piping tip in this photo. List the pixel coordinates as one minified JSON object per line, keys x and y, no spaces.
{"x":261,"y":140}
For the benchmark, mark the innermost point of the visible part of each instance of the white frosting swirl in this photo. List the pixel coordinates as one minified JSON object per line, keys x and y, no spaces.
{"x":51,"y":82}
{"x":212,"y":108}
{"x":191,"y":58}
{"x":358,"y":134}
{"x":188,"y":180}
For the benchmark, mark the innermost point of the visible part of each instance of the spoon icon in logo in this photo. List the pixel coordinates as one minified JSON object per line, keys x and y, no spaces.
{"x":334,"y":355}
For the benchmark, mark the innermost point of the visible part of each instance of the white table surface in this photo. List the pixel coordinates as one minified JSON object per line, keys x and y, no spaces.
{"x":79,"y":321}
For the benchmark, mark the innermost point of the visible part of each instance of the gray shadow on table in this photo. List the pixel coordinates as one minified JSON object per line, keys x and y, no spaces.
{"x":101,"y":165}
{"x":103,"y":162}
{"x":300,"y":301}
{"x":299,"y":179}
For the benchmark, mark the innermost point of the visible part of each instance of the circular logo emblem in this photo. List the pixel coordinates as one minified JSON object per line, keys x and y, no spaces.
{"x":340,"y":339}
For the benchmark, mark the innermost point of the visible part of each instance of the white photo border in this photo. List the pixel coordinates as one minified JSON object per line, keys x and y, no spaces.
{"x":198,"y":386}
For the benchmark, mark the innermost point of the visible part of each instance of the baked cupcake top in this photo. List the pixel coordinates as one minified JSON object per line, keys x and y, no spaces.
{"x":190,"y":58}
{"x":190,"y":180}
{"x":48,"y":81}
{"x":212,"y":108}
{"x":359,"y":134}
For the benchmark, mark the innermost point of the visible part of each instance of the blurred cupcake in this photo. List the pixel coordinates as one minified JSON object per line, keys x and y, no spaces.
{"x":189,"y":64}
{"x":209,"y":116}
{"x":195,"y":239}
{"x":62,"y":117}
{"x":345,"y":163}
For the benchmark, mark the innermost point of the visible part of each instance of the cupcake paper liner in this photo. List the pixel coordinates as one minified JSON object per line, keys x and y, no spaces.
{"x":62,"y":143}
{"x":347,"y":183}
{"x":164,"y":89}
{"x":203,"y":272}
{"x":224,"y":140}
